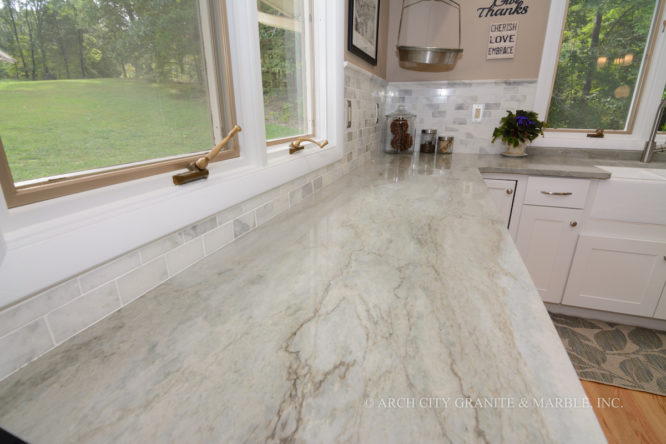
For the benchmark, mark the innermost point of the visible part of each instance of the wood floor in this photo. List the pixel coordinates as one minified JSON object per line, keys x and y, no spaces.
{"x":638,"y":417}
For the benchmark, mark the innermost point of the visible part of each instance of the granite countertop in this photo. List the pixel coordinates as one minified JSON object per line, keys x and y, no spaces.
{"x":383,"y":310}
{"x":542,"y":167}
{"x":574,"y":163}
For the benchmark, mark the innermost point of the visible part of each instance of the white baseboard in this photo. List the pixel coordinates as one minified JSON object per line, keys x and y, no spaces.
{"x":617,"y":318}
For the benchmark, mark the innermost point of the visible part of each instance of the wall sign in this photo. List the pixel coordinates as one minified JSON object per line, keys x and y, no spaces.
{"x":502,"y":40}
{"x":500,"y":8}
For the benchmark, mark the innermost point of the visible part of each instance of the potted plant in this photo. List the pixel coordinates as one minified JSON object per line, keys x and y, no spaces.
{"x":516,"y":129}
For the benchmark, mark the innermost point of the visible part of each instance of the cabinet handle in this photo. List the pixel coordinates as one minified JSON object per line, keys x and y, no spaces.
{"x":573,"y":223}
{"x":556,"y":193}
{"x":509,"y":191}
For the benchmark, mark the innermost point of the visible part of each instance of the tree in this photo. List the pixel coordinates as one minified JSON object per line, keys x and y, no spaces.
{"x":156,"y":40}
{"x":9,"y":7}
{"x":600,"y":58}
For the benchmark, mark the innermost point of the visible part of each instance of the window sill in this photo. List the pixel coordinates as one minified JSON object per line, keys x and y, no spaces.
{"x":561,"y":139}
{"x":280,"y":153}
{"x":95,"y":226}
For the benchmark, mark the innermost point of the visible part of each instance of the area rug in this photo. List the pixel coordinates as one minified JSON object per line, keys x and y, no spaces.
{"x":621,"y":355}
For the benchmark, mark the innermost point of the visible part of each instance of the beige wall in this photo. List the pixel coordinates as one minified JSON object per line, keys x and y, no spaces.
{"x":433,"y":18}
{"x":382,"y":36}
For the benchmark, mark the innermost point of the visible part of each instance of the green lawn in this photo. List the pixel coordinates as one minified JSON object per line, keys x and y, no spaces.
{"x":60,"y":126}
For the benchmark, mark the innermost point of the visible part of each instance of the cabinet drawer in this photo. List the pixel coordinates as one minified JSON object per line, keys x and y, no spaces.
{"x":556,"y":192}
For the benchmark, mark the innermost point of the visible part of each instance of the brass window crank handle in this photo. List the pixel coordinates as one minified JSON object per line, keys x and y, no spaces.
{"x":296,"y":144}
{"x":199,"y":168}
{"x":202,"y":162}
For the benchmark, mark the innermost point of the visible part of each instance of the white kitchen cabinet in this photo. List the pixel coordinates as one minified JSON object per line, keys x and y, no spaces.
{"x":502,"y":192}
{"x":660,"y":312}
{"x":618,"y":275}
{"x":546,"y":241}
{"x":556,"y":192}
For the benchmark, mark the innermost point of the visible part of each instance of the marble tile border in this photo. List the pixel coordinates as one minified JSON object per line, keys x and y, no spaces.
{"x":447,"y":107}
{"x":37,"y":324}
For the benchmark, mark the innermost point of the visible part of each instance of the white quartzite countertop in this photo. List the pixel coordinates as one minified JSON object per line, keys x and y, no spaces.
{"x":339,"y":321}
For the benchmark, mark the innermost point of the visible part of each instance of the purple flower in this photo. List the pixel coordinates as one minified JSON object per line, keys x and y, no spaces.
{"x":524,"y":120}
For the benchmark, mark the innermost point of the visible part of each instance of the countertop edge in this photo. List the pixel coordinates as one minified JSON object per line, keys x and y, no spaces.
{"x":593,"y":173}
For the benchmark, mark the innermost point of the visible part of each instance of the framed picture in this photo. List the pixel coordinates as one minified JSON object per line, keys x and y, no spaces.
{"x":363,"y":27}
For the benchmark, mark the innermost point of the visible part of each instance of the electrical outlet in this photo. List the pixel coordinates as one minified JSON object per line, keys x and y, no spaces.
{"x":477,"y":112}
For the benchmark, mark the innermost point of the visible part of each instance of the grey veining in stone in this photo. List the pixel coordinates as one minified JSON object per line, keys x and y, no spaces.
{"x":397,"y":282}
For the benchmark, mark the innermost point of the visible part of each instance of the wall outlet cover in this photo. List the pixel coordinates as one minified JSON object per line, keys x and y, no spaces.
{"x":477,"y":112}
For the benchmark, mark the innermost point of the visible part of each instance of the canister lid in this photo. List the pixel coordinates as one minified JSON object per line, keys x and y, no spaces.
{"x":401,"y":112}
{"x":429,"y":131}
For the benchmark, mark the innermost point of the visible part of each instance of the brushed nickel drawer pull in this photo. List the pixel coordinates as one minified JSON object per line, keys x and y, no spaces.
{"x":509,"y":191}
{"x":555,"y":193}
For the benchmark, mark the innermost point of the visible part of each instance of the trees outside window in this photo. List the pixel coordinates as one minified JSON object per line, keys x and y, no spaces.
{"x":285,"y":67}
{"x":99,"y":83}
{"x":601,"y":60}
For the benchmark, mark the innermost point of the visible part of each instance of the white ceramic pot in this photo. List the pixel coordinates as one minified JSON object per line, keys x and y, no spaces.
{"x":515,"y":151}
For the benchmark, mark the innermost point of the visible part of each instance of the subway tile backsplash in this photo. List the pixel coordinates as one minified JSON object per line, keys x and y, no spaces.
{"x":38,"y":324}
{"x":187,"y":254}
{"x":447,"y":107}
{"x":109,"y":271}
{"x":139,"y":281}
{"x":83,"y":311}
{"x":23,"y":345}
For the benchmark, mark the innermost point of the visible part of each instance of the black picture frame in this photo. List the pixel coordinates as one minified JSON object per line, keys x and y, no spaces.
{"x":355,"y":46}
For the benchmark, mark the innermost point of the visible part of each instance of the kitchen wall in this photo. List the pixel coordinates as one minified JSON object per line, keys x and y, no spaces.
{"x":41,"y":322}
{"x":432,"y":21}
{"x":447,"y":107}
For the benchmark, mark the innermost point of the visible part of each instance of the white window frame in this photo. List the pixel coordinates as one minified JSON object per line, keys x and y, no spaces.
{"x":50,"y":241}
{"x":279,"y":146}
{"x":653,"y":87}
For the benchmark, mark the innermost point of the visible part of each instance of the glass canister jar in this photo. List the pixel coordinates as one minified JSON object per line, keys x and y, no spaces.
{"x":428,"y":140}
{"x":400,"y":131}
{"x":445,"y":144}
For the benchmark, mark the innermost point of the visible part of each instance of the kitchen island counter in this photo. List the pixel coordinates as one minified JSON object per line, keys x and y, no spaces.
{"x":392,"y":306}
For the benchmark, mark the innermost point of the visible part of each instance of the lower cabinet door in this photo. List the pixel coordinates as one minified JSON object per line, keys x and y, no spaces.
{"x":618,"y":275}
{"x":546,"y":241}
{"x":502,"y":192}
{"x":660,"y":312}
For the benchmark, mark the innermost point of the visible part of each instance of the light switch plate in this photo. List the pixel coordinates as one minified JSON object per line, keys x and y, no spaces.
{"x":477,"y":112}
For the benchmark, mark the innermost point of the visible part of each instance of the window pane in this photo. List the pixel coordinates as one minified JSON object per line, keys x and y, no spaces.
{"x":600,"y":60}
{"x":284,"y":65}
{"x":98,"y":83}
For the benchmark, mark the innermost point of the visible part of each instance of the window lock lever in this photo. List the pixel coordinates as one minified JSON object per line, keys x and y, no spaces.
{"x":199,"y":168}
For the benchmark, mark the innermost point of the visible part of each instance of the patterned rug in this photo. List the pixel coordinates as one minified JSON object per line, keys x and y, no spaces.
{"x":621,"y":355}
